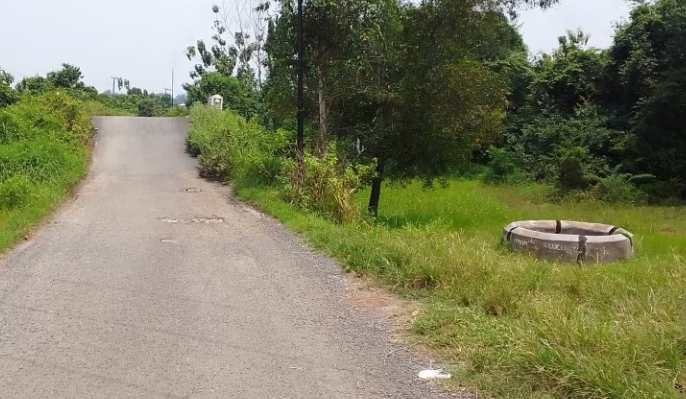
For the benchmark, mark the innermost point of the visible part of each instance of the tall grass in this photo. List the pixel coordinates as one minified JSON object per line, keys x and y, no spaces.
{"x":43,"y":149}
{"x":513,"y":326}
{"x":510,"y":326}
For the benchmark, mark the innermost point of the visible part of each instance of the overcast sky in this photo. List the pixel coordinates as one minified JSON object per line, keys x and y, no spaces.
{"x":142,"y":40}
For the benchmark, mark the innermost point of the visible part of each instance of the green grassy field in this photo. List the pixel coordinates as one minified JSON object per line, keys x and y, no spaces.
{"x":509,"y":325}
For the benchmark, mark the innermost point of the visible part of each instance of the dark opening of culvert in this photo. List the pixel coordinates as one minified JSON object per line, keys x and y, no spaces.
{"x":559,"y":228}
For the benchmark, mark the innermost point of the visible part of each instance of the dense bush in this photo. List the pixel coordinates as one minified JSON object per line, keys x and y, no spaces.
{"x":501,"y":167}
{"x":146,"y":107}
{"x":619,"y":188}
{"x":229,"y":147}
{"x":42,"y":147}
{"x":325,"y":185}
{"x":178,"y":111}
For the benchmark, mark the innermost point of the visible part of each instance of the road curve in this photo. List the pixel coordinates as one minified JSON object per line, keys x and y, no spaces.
{"x":153,"y":283}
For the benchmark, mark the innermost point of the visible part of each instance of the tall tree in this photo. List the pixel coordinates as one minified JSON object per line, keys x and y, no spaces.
{"x":7,"y":95}
{"x":445,"y":101}
{"x":69,"y":77}
{"x":220,"y":56}
{"x":647,"y":73}
{"x":408,"y":83}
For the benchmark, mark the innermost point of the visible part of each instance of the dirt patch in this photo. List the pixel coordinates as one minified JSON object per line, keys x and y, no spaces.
{"x":364,"y":296}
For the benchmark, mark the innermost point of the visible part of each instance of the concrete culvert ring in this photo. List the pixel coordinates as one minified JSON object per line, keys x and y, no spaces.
{"x":570,"y":241}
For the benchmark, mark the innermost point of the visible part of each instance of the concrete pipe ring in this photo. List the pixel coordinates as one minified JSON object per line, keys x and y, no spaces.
{"x":579,"y":242}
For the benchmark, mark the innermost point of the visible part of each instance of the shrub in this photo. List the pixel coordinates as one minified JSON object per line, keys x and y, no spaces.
{"x":229,"y":147}
{"x":146,"y":107}
{"x":53,"y":114}
{"x":575,"y":169}
{"x":100,"y":108}
{"x":501,"y":168}
{"x":665,"y":191}
{"x":325,"y":185}
{"x":41,"y":145}
{"x":177,"y":111}
{"x":617,"y":188}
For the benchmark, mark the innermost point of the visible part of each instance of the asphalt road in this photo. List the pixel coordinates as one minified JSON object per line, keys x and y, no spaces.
{"x":153,"y":283}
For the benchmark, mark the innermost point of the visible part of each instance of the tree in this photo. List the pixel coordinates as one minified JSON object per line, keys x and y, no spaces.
{"x":404,"y":84}
{"x":570,"y":76}
{"x":333,"y":37}
{"x":134,"y":91}
{"x":445,"y":100}
{"x":7,"y":95}
{"x":214,"y":73}
{"x":69,"y":77}
{"x":220,"y":57}
{"x":647,"y":79}
{"x":243,"y":99}
{"x":123,"y":83}
{"x":34,"y":85}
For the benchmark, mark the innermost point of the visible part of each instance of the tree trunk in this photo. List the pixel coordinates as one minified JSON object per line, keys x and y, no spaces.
{"x":323,"y":140}
{"x":373,"y":207}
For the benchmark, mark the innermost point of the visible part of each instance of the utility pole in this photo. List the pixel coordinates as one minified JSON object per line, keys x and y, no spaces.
{"x":165,"y":93}
{"x":114,"y":81}
{"x":172,"y":89}
{"x":301,"y":110}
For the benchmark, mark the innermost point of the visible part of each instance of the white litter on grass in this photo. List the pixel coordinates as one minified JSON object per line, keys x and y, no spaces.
{"x":433,"y":374}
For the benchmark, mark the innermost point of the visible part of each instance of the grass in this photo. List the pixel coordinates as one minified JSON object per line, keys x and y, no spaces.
{"x":512,"y":326}
{"x":43,"y":154}
{"x":17,"y":222}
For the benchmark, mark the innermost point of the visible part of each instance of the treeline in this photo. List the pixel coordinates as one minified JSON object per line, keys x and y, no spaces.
{"x":443,"y":88}
{"x":69,"y":79}
{"x":609,"y":122}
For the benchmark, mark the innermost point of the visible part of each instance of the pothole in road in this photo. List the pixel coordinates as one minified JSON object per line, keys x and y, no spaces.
{"x":204,"y":220}
{"x":207,"y":220}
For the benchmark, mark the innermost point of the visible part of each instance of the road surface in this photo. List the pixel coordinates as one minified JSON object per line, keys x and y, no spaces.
{"x":153,"y":283}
